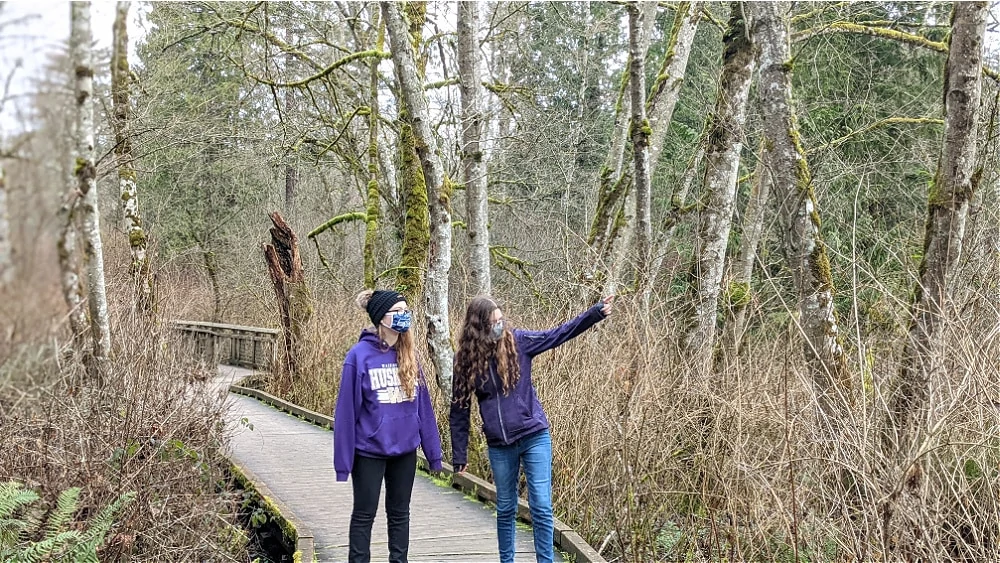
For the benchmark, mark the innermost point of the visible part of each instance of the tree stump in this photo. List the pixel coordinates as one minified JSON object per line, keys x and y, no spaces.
{"x":284,"y":265}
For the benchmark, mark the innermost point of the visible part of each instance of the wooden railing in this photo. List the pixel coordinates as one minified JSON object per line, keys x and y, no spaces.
{"x":244,"y":346}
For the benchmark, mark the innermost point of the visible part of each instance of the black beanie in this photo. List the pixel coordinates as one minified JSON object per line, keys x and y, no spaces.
{"x":380,"y":303}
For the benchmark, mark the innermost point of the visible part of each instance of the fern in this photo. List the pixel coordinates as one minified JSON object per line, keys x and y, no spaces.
{"x":65,"y":507}
{"x":13,"y":496}
{"x":58,"y":543}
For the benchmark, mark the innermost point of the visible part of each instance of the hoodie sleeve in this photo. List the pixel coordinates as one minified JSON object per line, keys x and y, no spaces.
{"x":430,"y":438}
{"x":534,"y":342}
{"x":345,"y":419}
{"x":458,"y":422}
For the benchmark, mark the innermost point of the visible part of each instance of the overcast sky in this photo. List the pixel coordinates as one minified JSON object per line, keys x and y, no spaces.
{"x":31,"y":31}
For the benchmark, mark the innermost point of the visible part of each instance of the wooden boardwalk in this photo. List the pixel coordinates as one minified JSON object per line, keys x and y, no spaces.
{"x":295,"y":460}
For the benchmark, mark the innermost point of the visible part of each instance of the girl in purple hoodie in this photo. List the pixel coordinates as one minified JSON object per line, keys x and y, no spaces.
{"x":383,"y":413}
{"x":493,"y":363}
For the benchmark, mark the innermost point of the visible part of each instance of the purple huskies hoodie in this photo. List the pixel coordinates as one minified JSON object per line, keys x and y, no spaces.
{"x":508,"y":418}
{"x":373,"y":416}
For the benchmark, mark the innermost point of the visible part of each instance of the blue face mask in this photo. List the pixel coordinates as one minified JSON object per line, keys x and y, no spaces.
{"x":496,"y":331}
{"x":401,"y":321}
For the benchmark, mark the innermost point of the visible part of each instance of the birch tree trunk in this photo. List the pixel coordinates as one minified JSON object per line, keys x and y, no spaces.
{"x":640,"y":132}
{"x":6,"y":246}
{"x":741,"y":273}
{"x":667,"y":87}
{"x":439,"y":196}
{"x":954,"y":184}
{"x":614,"y":219}
{"x":659,"y":109}
{"x":473,"y":167}
{"x":785,"y":159}
{"x":128,"y":192}
{"x":86,"y":175}
{"x":722,"y":156}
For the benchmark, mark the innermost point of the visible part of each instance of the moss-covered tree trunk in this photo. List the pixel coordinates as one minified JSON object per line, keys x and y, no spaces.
{"x":128,"y":192}
{"x":954,"y":184}
{"x":640,"y":133}
{"x":722,"y":159}
{"x":473,"y":166}
{"x":438,"y":191}
{"x":6,"y":246}
{"x":659,"y":109}
{"x":416,"y":228}
{"x":70,"y":279}
{"x":284,"y":265}
{"x":85,"y":173}
{"x":798,"y":211}
{"x":372,"y":212}
{"x":291,"y":172}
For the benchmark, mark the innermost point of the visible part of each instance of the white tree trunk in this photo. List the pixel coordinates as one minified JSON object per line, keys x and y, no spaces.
{"x":473,"y":166}
{"x":667,"y":87}
{"x":86,"y":176}
{"x":741,"y":272}
{"x":6,"y":246}
{"x":947,"y":210}
{"x":438,"y":195}
{"x":805,"y":251}
{"x":640,"y":152}
{"x":127,"y":188}
{"x":722,"y":156}
{"x":659,"y":108}
{"x":612,"y":234}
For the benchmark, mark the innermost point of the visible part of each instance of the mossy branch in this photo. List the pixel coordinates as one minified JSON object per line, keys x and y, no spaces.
{"x":344,"y":218}
{"x":326,"y":71}
{"x":884,"y":33}
{"x":871,"y":127}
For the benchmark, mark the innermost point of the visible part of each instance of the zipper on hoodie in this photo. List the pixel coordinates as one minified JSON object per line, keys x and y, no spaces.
{"x":496,"y":385}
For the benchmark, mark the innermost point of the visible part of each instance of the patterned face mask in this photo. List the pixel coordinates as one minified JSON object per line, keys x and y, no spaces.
{"x":496,"y":331}
{"x":401,"y":321}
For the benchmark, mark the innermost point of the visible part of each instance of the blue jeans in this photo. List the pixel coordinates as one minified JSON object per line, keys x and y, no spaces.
{"x":535,"y":452}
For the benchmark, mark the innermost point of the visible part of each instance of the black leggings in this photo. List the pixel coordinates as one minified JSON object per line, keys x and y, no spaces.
{"x":366,"y":476}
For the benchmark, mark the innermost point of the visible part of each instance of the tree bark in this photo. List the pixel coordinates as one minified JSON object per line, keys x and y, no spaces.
{"x":473,"y":166}
{"x":640,"y":133}
{"x":86,"y":174}
{"x":374,"y":202}
{"x":291,"y":173}
{"x":954,"y":184}
{"x":659,"y":108}
{"x":615,"y":219}
{"x":667,"y":87}
{"x":741,"y":272}
{"x":785,"y":159}
{"x":284,"y":265}
{"x":6,"y":246}
{"x":439,"y":196}
{"x":722,"y":155}
{"x":416,"y":227}
{"x":128,"y":192}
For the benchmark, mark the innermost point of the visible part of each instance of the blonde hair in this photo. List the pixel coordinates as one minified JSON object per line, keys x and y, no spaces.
{"x":406,"y":356}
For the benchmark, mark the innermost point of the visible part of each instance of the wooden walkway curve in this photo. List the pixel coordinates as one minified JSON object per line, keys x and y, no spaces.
{"x":294,"y":458}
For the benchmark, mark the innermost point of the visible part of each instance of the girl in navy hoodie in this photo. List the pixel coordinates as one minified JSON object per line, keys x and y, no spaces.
{"x":383,"y":413}
{"x":493,"y":363}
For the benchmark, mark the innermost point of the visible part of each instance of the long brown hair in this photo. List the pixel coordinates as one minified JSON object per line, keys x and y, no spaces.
{"x":406,"y":355}
{"x":476,"y":348}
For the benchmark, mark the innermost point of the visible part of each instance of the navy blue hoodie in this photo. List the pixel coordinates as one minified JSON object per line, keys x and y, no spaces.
{"x":508,"y":418}
{"x":373,"y":416}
